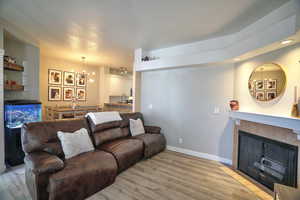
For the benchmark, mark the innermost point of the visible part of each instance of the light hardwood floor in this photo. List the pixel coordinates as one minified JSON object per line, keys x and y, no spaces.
{"x":166,"y":176}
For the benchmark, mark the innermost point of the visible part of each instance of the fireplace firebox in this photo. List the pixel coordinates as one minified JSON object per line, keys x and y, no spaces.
{"x":267,"y":161}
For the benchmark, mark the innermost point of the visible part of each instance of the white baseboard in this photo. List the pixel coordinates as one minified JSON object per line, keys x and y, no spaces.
{"x":2,"y":169}
{"x":200,"y":155}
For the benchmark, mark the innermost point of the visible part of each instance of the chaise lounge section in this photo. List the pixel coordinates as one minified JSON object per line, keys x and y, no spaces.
{"x":50,"y":176}
{"x":153,"y":140}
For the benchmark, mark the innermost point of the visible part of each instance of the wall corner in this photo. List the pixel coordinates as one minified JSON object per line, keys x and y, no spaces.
{"x":2,"y":149}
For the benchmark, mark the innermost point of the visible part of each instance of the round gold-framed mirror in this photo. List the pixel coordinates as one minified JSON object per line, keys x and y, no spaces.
{"x":267,"y":82}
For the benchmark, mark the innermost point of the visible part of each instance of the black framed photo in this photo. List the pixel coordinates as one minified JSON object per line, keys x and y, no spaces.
{"x":260,"y":96}
{"x":54,"y":77}
{"x":69,"y":93}
{"x":271,"y":95}
{"x":251,"y":85}
{"x":271,"y":84}
{"x":81,"y":94}
{"x":54,"y":93}
{"x":69,"y":78}
{"x":81,"y":79}
{"x":259,"y":85}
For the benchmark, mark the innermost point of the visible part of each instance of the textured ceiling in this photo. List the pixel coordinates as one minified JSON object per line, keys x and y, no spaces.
{"x":107,"y":31}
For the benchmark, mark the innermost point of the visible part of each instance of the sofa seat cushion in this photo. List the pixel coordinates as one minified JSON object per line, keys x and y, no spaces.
{"x":83,"y":176}
{"x":126,"y":151}
{"x":153,"y":143}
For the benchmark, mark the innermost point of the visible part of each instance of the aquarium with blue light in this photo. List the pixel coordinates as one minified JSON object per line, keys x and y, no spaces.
{"x":21,"y":111}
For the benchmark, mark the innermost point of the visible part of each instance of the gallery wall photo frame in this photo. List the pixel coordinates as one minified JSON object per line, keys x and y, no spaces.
{"x":260,"y":95}
{"x":54,"y":93}
{"x":67,"y":85}
{"x":81,"y":79}
{"x":68,"y":93}
{"x":69,"y":78}
{"x":251,"y":85}
{"x":271,"y":84}
{"x":81,"y":94}
{"x":259,"y":85}
{"x":271,"y":95}
{"x":54,"y":77}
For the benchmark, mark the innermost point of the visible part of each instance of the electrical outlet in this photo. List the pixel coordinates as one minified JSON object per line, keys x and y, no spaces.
{"x":180,"y":140}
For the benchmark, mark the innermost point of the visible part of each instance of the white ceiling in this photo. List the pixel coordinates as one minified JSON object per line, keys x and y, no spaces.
{"x":107,"y":31}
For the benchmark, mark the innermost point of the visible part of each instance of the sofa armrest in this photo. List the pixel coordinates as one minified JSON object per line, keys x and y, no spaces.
{"x":42,"y":162}
{"x":152,"y":129}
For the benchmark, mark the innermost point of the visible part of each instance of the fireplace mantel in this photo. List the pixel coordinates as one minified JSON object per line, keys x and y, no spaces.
{"x":273,"y":120}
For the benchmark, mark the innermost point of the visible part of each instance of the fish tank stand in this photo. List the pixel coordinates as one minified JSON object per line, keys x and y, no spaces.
{"x":14,"y":154}
{"x":17,"y":113}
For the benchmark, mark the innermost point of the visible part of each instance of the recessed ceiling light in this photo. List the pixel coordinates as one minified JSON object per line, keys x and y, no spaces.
{"x":287,"y":41}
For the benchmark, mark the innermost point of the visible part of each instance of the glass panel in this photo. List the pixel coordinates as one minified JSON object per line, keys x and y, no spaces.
{"x":17,"y":115}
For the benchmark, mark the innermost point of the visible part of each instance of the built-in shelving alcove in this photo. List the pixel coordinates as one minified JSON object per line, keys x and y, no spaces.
{"x":21,"y":77}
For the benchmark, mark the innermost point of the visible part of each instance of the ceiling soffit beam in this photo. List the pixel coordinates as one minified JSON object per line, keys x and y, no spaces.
{"x":278,"y":25}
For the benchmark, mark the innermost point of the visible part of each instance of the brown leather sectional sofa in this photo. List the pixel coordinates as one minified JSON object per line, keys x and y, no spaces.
{"x":50,"y":176}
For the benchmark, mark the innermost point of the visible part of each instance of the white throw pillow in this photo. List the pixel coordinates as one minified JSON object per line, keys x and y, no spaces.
{"x":136,"y":127}
{"x":75,"y":143}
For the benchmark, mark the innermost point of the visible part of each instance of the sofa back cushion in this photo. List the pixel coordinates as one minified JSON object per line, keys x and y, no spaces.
{"x":106,"y":132}
{"x":127,"y":116}
{"x":109,"y":131}
{"x":109,"y":135}
{"x":42,"y":136}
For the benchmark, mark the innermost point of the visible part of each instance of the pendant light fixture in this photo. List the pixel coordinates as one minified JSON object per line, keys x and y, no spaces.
{"x":89,"y":76}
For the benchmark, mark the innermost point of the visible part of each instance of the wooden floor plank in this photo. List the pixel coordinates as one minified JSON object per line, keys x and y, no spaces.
{"x":167,"y":176}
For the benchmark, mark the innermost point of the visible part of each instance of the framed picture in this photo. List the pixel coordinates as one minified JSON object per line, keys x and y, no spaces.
{"x":69,"y":93}
{"x":260,"y":96}
{"x":69,"y":78}
{"x":251,"y":85}
{"x":271,"y":84}
{"x":259,"y":85}
{"x":81,"y":94}
{"x":81,"y":80}
{"x":54,"y":93}
{"x":271,"y":95}
{"x":54,"y":77}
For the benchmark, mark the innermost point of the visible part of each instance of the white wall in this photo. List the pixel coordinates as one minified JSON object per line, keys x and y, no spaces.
{"x":289,"y":59}
{"x":119,"y":85}
{"x":1,"y":37}
{"x":103,"y":88}
{"x":183,"y":102}
{"x":113,"y":85}
{"x":136,"y":91}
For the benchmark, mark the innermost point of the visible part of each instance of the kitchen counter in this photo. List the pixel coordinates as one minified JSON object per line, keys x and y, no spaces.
{"x":121,"y":107}
{"x":119,"y":104}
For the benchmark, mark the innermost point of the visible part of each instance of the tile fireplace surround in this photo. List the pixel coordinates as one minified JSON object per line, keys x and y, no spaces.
{"x":282,"y":129}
